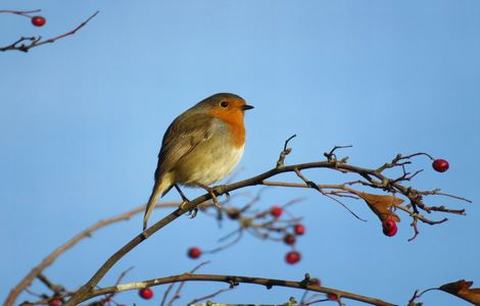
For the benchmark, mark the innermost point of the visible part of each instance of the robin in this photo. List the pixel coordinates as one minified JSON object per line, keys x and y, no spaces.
{"x":200,"y":147}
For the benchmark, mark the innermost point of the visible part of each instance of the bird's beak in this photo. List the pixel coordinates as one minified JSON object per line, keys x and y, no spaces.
{"x":247,"y":107}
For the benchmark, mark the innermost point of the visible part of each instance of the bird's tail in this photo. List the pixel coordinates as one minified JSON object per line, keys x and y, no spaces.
{"x":161,"y":187}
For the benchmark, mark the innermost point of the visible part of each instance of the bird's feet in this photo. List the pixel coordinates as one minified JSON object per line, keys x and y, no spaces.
{"x":183,"y":206}
{"x":215,"y":201}
{"x":192,"y":213}
{"x":214,"y":191}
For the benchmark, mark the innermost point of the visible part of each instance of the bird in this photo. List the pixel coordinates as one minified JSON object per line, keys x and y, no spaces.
{"x":200,"y":147}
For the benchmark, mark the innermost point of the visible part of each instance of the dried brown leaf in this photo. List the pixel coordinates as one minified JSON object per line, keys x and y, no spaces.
{"x":462,"y":290}
{"x":381,"y":205}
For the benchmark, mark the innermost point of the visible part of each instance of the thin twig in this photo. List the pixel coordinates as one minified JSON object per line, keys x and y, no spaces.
{"x":209,"y":296}
{"x":311,"y":184}
{"x":20,"y":13}
{"x":286,"y":150}
{"x":227,"y":245}
{"x":24,"y":44}
{"x":180,"y":287}
{"x":57,"y":289}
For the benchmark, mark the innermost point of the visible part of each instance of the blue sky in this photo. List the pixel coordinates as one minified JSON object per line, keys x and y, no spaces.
{"x":82,"y":122}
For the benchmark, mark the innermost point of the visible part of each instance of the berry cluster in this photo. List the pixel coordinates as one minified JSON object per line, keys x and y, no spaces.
{"x":293,"y":256}
{"x":267,"y":224}
{"x":389,"y":224}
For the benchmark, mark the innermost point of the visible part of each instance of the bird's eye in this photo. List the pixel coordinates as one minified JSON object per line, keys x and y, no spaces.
{"x":224,"y":104}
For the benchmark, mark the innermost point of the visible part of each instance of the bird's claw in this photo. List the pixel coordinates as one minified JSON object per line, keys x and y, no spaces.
{"x":214,"y":199}
{"x":193,"y":213}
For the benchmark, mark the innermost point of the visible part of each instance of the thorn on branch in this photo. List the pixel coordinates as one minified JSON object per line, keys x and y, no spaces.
{"x":332,"y":157}
{"x":285,"y":152}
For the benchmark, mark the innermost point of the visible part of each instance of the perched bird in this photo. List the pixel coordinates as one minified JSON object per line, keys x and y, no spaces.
{"x":200,"y":147}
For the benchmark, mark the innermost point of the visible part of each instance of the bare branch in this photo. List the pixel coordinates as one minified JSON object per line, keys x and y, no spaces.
{"x":286,"y":150}
{"x":331,"y":155}
{"x":20,"y":13}
{"x":375,"y":180}
{"x":234,"y":279}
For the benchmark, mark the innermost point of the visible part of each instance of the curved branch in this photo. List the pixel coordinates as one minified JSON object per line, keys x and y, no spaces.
{"x":234,"y":280}
{"x":374,"y":177}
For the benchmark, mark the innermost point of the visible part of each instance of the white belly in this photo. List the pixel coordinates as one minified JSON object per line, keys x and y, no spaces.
{"x":216,"y":164}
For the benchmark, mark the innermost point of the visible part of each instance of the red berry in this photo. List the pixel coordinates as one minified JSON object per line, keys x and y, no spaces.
{"x":194,"y":252}
{"x":293,"y":257}
{"x":389,"y":227}
{"x":332,"y":296}
{"x":315,"y":282}
{"x":440,"y":165}
{"x":38,"y":21}
{"x":289,"y":239}
{"x":145,"y":293}
{"x":276,"y":211}
{"x":55,"y":302}
{"x":299,"y":229}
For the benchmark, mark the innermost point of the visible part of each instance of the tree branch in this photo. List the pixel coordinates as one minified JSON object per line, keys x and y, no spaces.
{"x":24,"y":44}
{"x":234,"y":280}
{"x":374,"y":179}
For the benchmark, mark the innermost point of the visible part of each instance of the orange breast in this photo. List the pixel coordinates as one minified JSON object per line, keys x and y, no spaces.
{"x":234,"y":120}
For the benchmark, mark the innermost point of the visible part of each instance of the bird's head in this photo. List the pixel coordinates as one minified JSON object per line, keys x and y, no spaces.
{"x":225,"y":104}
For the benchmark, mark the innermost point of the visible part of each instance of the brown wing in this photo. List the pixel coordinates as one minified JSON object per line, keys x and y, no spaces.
{"x":181,"y":137}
